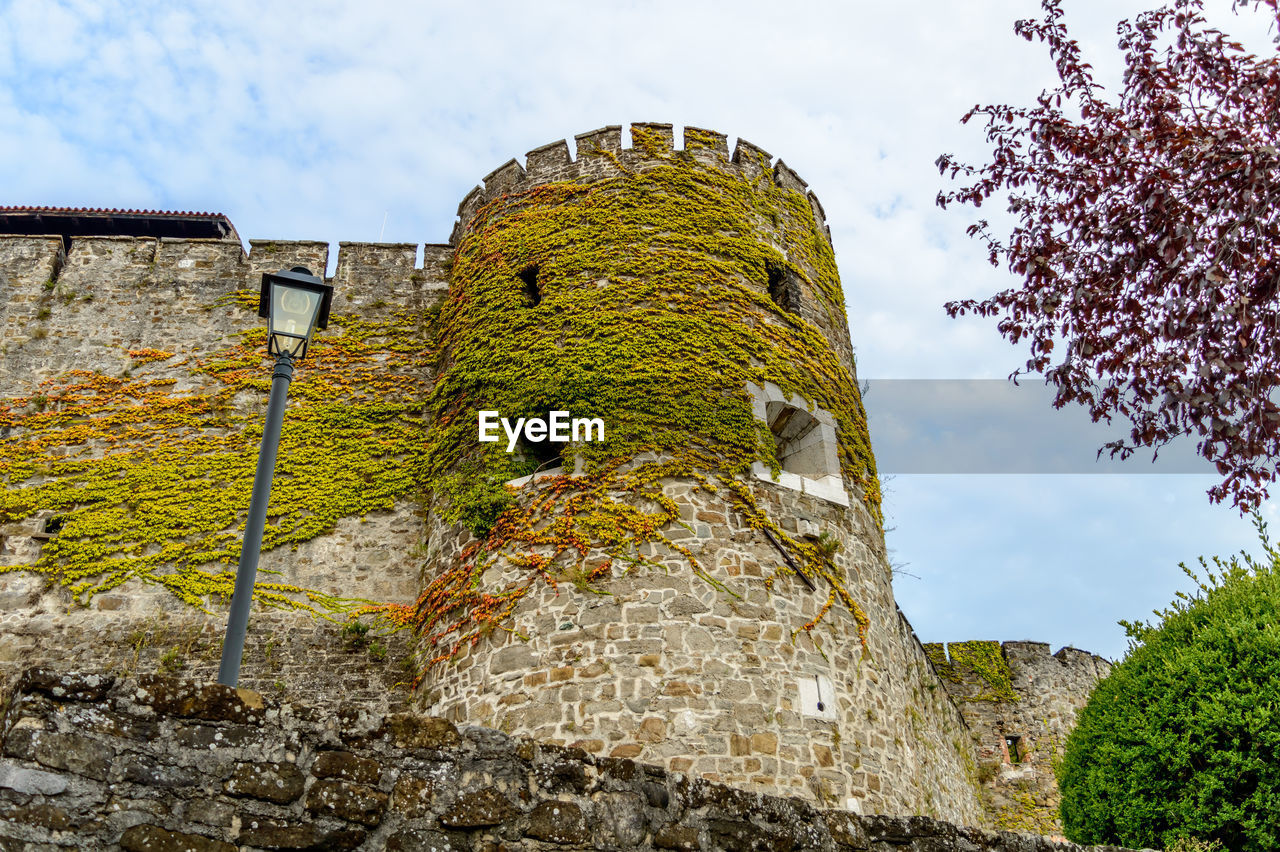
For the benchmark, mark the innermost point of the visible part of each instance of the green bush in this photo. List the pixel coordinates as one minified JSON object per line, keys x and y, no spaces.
{"x":1182,"y":740}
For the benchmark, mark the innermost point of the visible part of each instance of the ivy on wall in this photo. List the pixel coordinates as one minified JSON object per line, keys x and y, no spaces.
{"x":641,"y":299}
{"x":978,"y":661}
{"x":649,"y":309}
{"x":152,"y":483}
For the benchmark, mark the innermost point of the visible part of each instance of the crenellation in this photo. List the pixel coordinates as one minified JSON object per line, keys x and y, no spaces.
{"x":751,"y":159}
{"x":220,"y":264}
{"x":706,"y":145}
{"x":114,"y":261}
{"x":503,"y":179}
{"x":650,"y":139}
{"x":274,"y":255}
{"x":788,"y":179}
{"x":437,"y":259}
{"x":546,"y":160}
{"x":607,"y":140}
{"x":467,"y":209}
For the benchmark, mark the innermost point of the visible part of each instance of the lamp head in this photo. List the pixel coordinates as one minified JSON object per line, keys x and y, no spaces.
{"x":295,"y":303}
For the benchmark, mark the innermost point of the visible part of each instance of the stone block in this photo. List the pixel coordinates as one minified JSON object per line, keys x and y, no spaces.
{"x":212,"y":702}
{"x":352,"y":802}
{"x":265,"y":833}
{"x":48,"y":817}
{"x":408,"y":730}
{"x":424,"y":840}
{"x":20,"y":779}
{"x":625,"y":817}
{"x":765,"y":743}
{"x":683,"y":838}
{"x":558,"y":822}
{"x":479,"y":808}
{"x":274,"y":782}
{"x":149,"y":771}
{"x":846,"y":830}
{"x":345,"y":765}
{"x":511,"y":658}
{"x":652,"y":730}
{"x":151,"y":838}
{"x":209,"y":812}
{"x":65,"y":686}
{"x":413,"y":795}
{"x":74,"y":753}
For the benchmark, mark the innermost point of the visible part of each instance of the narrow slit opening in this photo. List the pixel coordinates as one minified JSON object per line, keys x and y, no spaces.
{"x":530,"y":289}
{"x":784,"y":288}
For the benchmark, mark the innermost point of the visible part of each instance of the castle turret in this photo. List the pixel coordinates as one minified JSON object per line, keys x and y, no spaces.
{"x":706,"y":588}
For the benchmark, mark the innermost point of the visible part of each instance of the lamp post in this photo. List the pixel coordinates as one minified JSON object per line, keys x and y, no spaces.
{"x":295,"y":303}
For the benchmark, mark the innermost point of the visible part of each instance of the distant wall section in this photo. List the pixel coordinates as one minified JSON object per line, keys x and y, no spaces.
{"x":1020,"y":703}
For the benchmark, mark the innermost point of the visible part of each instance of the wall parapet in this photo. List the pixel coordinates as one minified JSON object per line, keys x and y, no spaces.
{"x":600,"y":153}
{"x":161,"y":763}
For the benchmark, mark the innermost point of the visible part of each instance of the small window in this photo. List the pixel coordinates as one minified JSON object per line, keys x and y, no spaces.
{"x":804,"y":445}
{"x":799,"y":449}
{"x":531,"y":290}
{"x":51,"y":527}
{"x":545,"y":453}
{"x":1014,"y":745}
{"x":784,"y":288}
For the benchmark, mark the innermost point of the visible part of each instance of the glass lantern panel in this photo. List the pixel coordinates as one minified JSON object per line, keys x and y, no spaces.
{"x":293,"y":310}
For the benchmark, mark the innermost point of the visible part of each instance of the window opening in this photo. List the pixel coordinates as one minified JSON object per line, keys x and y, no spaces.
{"x":51,"y":527}
{"x":784,"y":288}
{"x":545,"y":453}
{"x":791,"y":428}
{"x":1015,"y":750}
{"x":531,"y":291}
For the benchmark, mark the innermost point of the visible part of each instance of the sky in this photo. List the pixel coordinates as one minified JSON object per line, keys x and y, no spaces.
{"x":370,"y":121}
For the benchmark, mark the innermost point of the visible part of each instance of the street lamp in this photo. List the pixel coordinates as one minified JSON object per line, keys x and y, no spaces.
{"x":295,"y":303}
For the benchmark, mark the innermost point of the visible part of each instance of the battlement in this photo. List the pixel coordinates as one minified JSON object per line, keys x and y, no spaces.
{"x":600,"y":154}
{"x":986,"y":670}
{"x":36,"y":263}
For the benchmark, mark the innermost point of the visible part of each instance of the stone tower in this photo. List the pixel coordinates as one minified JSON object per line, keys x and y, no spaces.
{"x":707,"y":588}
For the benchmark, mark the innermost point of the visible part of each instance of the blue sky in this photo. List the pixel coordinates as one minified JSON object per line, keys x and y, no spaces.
{"x":327,"y":120}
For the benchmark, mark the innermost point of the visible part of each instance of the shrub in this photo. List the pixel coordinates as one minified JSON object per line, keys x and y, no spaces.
{"x":1181,"y":743}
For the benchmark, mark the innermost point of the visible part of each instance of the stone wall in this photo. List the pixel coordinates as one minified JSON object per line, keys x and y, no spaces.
{"x":1020,"y":702}
{"x":86,"y":310}
{"x":662,"y":667}
{"x":164,"y":765}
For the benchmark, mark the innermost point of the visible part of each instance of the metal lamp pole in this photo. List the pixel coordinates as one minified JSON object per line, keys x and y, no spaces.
{"x":296,"y":302}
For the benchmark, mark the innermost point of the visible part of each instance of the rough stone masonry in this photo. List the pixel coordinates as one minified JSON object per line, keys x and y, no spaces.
{"x":158,"y":764}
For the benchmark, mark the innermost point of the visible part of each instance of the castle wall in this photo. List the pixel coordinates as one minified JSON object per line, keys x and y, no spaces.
{"x":716,"y":678}
{"x":155,"y":763}
{"x":86,"y":311}
{"x":1020,"y":702}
